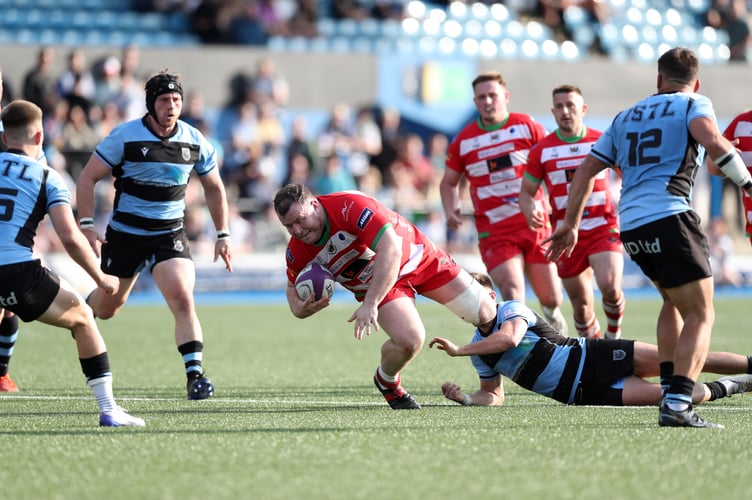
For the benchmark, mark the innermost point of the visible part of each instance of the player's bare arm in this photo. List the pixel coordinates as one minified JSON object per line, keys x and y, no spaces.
{"x":535,"y":217}
{"x":386,"y":267}
{"x":94,"y":171}
{"x":216,"y":202}
{"x":564,"y":237}
{"x":491,"y":393}
{"x":304,"y":308}
{"x":449,"y":191}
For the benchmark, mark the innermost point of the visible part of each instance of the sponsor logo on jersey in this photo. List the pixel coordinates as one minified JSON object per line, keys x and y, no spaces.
{"x":144,"y":151}
{"x":10,"y":300}
{"x":288,"y":255}
{"x":499,"y":163}
{"x":364,"y":218}
{"x":351,"y":271}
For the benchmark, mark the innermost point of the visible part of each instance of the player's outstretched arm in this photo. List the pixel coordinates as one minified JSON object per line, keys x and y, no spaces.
{"x":491,"y":393}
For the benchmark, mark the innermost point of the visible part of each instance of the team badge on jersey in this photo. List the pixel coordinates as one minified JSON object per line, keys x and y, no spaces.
{"x":186,"y":152}
{"x":177,"y":245}
{"x":619,"y":354}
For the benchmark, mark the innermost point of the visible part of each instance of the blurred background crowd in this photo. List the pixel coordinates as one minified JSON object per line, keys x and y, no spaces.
{"x":262,"y":146}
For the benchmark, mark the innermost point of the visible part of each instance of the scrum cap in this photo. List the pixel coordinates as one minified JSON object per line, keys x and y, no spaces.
{"x":162,"y":83}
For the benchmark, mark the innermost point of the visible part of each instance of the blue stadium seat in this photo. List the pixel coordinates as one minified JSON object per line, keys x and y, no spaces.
{"x":325,"y":26}
{"x":489,"y":49}
{"x":469,"y":47}
{"x":499,"y":12}
{"x":569,"y":51}
{"x":346,"y":27}
{"x":493,"y":29}
{"x":319,"y":44}
{"x":341,"y":44}
{"x":458,"y":11}
{"x":369,"y":27}
{"x":508,"y":49}
{"x":277,"y":43}
{"x":472,"y":28}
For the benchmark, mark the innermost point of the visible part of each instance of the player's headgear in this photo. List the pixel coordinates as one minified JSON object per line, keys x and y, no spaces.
{"x":162,"y":83}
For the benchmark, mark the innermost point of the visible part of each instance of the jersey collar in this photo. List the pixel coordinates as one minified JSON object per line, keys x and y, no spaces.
{"x":576,"y":138}
{"x":495,"y":126}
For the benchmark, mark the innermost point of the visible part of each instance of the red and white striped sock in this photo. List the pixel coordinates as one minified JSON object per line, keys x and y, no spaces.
{"x":614,"y":315}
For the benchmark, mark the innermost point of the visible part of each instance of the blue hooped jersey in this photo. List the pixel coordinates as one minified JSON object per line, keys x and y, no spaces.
{"x":152,"y":173}
{"x":544,"y":361}
{"x":28,"y":189}
{"x":658,"y":157}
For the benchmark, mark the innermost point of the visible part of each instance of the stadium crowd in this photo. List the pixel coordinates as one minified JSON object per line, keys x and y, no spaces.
{"x":364,"y":147}
{"x":261,"y":148}
{"x":253,"y":22}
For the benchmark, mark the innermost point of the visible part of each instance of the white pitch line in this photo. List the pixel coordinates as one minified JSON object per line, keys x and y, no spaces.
{"x":207,"y":401}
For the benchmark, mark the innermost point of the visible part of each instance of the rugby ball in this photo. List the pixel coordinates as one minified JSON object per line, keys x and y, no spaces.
{"x":314,"y":279}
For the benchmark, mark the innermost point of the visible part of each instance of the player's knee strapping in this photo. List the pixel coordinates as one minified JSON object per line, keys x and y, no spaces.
{"x":467,"y":304}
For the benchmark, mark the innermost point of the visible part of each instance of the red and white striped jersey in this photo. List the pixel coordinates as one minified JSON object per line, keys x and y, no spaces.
{"x":493,"y":160}
{"x":354,"y":225}
{"x":554,"y":161}
{"x":741,"y":128}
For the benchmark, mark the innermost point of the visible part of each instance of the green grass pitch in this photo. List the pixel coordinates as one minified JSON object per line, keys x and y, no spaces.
{"x":295,"y":416}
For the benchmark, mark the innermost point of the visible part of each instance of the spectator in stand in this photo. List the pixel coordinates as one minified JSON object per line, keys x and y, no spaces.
{"x":195,"y":107}
{"x":299,"y":153}
{"x":109,"y":118}
{"x":246,"y":26}
{"x":107,"y":82}
{"x":268,"y":85}
{"x":405,"y":197}
{"x":338,"y":138}
{"x":243,"y":146}
{"x":39,"y":84}
{"x":348,"y":9}
{"x":272,"y":139}
{"x":76,"y":79}
{"x":732,"y":17}
{"x":390,"y":124}
{"x":205,"y":21}
{"x":366,"y":142}
{"x":334,"y":177}
{"x":130,"y":59}
{"x":552,"y":13}
{"x":304,"y":21}
{"x":722,"y":254}
{"x":77,"y":139}
{"x":384,"y":10}
{"x":416,"y":167}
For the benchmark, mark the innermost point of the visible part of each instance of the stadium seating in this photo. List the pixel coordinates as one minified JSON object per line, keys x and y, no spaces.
{"x":637,"y":30}
{"x":90,"y":22}
{"x":640,"y":31}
